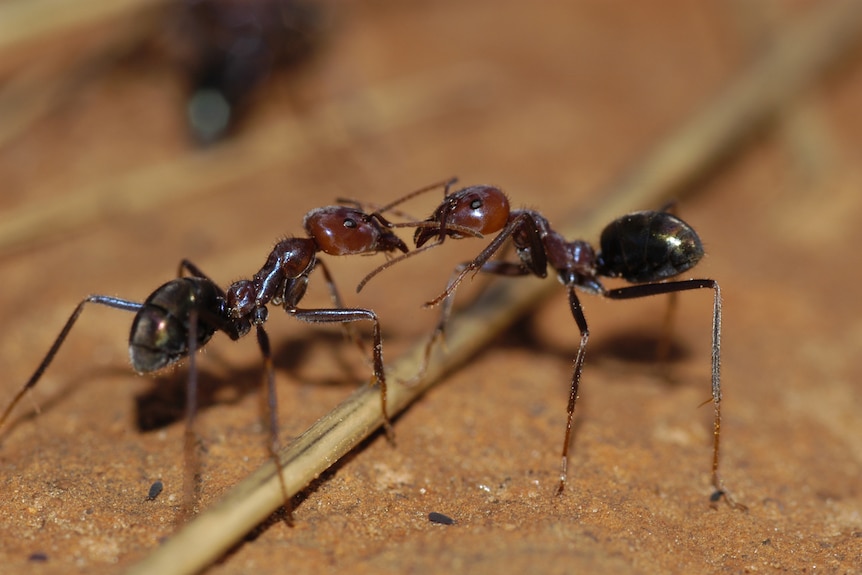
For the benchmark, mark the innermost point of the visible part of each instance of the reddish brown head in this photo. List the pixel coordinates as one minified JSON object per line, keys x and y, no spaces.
{"x":482,"y":209}
{"x":341,"y":231}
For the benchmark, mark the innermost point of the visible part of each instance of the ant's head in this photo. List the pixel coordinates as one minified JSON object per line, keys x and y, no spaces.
{"x":479,"y":209}
{"x":342,"y":230}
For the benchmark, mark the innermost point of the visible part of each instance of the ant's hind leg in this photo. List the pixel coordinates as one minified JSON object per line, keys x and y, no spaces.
{"x":666,"y":335}
{"x":108,"y":301}
{"x":644,"y":290}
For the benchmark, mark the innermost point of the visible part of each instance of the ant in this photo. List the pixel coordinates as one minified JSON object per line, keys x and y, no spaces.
{"x":644,"y":248}
{"x":181,"y":316}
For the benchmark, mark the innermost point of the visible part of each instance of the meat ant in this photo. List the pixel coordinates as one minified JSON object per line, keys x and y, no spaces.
{"x":645,"y":248}
{"x":181,"y":316}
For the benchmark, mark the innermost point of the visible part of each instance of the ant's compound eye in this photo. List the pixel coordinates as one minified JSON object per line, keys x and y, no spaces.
{"x":350,"y":223}
{"x":476,"y":204}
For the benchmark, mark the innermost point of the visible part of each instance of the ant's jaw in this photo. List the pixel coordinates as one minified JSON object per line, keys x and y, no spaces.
{"x":424,"y":234}
{"x":390,"y":242}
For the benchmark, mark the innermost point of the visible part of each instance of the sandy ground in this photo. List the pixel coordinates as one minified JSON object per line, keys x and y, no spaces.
{"x":549,"y":104}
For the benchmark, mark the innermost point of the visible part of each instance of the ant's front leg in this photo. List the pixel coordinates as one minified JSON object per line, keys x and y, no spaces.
{"x":338,"y":302}
{"x":480,"y":262}
{"x":347,"y":315}
{"x":511,"y":269}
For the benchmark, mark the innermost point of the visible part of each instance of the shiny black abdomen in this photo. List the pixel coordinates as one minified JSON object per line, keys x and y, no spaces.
{"x":648,"y":246}
{"x":160,"y":331}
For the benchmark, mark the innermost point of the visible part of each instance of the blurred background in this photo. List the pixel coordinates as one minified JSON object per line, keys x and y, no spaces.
{"x":137,"y":133}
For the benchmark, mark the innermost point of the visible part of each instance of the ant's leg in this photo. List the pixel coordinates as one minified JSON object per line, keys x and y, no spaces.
{"x":271,"y":409}
{"x":439,"y":333}
{"x":581,"y":320}
{"x":330,"y":284}
{"x":645,"y":290}
{"x":194,"y":271}
{"x":478,"y":264}
{"x":351,"y":315}
{"x":349,"y":331}
{"x":666,"y":335}
{"x":191,"y":474}
{"x":271,"y":403}
{"x":511,"y":269}
{"x":669,"y":207}
{"x":108,"y":301}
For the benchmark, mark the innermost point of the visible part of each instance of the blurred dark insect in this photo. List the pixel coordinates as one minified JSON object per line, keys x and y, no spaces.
{"x":225,"y":50}
{"x":435,"y":517}
{"x":38,"y":557}
{"x":228,"y":48}
{"x":155,"y":490}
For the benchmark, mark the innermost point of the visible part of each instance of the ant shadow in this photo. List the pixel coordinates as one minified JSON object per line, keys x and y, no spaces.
{"x":624,"y":347}
{"x":165,"y":402}
{"x":56,"y":399}
{"x":620,"y":348}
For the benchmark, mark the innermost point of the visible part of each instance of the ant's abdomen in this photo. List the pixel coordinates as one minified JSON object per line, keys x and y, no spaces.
{"x":160,"y":330}
{"x":648,"y":246}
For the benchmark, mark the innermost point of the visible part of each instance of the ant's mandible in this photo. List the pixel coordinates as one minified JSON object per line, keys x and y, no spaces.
{"x":644,"y":248}
{"x":181,"y":316}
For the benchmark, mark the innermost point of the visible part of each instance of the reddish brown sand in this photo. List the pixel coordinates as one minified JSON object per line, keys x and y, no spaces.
{"x":550,"y":104}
